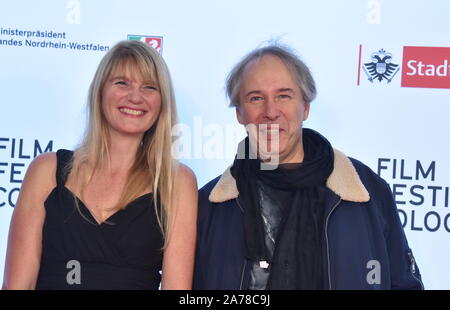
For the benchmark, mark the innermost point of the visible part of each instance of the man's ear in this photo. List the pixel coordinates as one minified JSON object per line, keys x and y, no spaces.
{"x":306,"y":112}
{"x":239,"y":115}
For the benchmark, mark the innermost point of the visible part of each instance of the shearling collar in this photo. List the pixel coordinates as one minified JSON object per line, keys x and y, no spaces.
{"x":344,"y":181}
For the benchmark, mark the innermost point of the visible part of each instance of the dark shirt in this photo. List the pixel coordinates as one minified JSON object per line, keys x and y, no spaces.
{"x":273,"y":201}
{"x":124,"y":252}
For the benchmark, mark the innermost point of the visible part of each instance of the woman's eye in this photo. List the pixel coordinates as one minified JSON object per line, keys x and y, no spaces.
{"x":150,"y":87}
{"x":120,"y":83}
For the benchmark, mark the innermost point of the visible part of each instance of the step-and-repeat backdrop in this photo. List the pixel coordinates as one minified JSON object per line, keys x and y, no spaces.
{"x":382,"y":69}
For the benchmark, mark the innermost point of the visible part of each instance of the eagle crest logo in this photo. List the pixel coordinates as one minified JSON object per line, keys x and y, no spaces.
{"x":381,"y":68}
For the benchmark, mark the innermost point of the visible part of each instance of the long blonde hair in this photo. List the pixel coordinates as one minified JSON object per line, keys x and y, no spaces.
{"x":154,"y":164}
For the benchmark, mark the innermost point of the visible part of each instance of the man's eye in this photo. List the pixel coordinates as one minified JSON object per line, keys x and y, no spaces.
{"x":255,"y":99}
{"x":284,"y":96}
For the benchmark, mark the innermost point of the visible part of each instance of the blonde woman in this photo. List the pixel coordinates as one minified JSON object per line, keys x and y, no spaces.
{"x":119,"y":209}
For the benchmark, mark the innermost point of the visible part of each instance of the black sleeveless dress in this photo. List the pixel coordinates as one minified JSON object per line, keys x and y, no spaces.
{"x":124,"y":252}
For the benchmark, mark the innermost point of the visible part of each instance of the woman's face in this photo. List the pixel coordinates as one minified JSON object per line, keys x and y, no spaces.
{"x":130,"y":103}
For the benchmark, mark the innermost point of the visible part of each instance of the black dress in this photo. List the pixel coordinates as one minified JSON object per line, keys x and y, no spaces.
{"x":124,"y":252}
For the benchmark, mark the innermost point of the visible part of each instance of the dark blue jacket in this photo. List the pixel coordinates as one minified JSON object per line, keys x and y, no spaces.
{"x":364,"y":245}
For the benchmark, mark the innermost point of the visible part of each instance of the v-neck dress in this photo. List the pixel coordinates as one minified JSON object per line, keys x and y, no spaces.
{"x":124,"y":252}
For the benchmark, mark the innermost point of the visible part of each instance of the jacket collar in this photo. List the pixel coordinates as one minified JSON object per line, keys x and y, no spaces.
{"x":344,"y":181}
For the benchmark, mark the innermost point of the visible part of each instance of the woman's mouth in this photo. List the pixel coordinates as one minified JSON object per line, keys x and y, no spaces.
{"x":132,"y":112}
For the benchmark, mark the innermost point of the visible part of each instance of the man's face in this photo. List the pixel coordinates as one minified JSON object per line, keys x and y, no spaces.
{"x":270,"y":96}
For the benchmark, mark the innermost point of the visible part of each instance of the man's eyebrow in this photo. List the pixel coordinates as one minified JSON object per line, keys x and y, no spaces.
{"x":280,"y":90}
{"x":252,"y":92}
{"x":286,"y":90}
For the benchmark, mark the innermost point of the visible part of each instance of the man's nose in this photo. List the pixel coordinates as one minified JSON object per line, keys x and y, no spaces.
{"x":271,"y":111}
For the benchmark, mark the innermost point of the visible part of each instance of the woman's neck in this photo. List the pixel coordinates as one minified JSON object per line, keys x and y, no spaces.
{"x":122,"y":152}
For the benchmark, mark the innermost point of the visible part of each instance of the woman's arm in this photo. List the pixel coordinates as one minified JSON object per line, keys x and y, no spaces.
{"x":178,"y":262}
{"x":25,"y":233}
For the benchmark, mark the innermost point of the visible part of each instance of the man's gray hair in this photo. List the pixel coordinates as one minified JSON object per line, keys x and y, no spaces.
{"x":298,"y":68}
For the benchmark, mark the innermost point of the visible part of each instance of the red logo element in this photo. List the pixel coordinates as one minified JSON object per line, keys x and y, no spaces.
{"x":155,"y":42}
{"x":427,"y":67}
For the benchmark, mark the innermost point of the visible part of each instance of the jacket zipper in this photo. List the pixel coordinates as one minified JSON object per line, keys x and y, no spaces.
{"x":245,"y":261}
{"x":412,"y":263}
{"x":240,"y":207}
{"x":242,"y":276}
{"x":328,"y":245}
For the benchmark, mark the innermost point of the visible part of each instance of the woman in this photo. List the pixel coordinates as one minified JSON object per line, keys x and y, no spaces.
{"x":91,"y":219}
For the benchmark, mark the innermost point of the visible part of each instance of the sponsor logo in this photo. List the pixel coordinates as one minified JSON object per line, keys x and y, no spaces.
{"x":427,"y":67}
{"x":153,"y":41}
{"x":381,"y":67}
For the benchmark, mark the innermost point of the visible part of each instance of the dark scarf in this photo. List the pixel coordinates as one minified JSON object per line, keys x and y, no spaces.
{"x":297,"y":261}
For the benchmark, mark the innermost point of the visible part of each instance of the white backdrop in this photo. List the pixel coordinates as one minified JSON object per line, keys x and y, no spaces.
{"x":400,"y":132}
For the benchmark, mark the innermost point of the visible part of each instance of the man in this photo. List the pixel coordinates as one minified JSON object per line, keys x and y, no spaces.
{"x":292,"y":212}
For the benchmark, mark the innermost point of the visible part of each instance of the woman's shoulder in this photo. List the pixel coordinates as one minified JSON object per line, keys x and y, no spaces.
{"x":42,"y":169}
{"x":45,"y":162}
{"x":185,"y":177}
{"x":184,"y":171}
{"x":39,"y":179}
